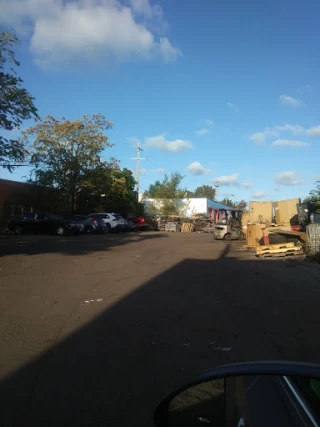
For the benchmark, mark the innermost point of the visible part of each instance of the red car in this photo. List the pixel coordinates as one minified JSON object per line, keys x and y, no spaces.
{"x":143,"y":223}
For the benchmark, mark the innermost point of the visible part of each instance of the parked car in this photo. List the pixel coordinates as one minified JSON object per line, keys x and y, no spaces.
{"x":144,"y":223}
{"x":113,"y":221}
{"x":89,"y":224}
{"x":46,"y":223}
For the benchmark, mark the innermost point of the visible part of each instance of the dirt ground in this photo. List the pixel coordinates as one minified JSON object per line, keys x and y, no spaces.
{"x":96,"y":329}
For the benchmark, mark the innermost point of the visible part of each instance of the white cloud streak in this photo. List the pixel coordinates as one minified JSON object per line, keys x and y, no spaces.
{"x":196,"y":168}
{"x":159,"y":170}
{"x":227,"y":180}
{"x":260,"y":138}
{"x":159,"y":142}
{"x":202,"y":132}
{"x":295,"y":129}
{"x":290,"y":101}
{"x":62,"y":33}
{"x":259,"y":195}
{"x":233,"y":106}
{"x":288,"y":178}
{"x":314,"y":132}
{"x":289,"y":143}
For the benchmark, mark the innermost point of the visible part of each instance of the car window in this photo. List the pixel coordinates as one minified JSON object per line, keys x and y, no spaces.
{"x":117,"y":216}
{"x":42,"y":216}
{"x":29,"y":216}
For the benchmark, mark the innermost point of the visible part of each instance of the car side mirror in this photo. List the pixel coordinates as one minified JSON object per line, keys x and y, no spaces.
{"x":248,"y":394}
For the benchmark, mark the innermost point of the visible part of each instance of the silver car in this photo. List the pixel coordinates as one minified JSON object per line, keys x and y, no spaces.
{"x":113,"y":221}
{"x":89,"y":224}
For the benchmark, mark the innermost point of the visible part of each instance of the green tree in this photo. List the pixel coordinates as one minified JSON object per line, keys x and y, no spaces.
{"x":314,"y":198}
{"x":16,"y":103}
{"x":168,"y":195}
{"x":241,"y":205}
{"x":205,"y":191}
{"x":228,"y":202}
{"x":66,"y":154}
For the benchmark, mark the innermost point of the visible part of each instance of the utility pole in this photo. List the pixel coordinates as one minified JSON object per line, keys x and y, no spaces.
{"x":138,"y":158}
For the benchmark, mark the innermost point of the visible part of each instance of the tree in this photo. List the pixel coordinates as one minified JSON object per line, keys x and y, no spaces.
{"x":16,"y":103}
{"x":228,"y":202}
{"x":66,"y":155}
{"x":205,"y":191}
{"x":168,"y":195}
{"x":314,"y":198}
{"x":241,"y":205}
{"x":110,"y":189}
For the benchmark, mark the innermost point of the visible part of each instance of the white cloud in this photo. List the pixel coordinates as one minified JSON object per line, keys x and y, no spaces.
{"x":133,"y":139}
{"x":314,"y":131}
{"x":246,"y":184}
{"x":196,"y":168}
{"x":227,"y":180}
{"x":202,"y":132}
{"x":159,"y":142}
{"x":305,"y":88}
{"x":259,"y":195}
{"x":289,"y":143}
{"x":159,"y":170}
{"x":144,"y":8}
{"x":295,"y":129}
{"x":288,"y":178}
{"x":208,"y":122}
{"x":260,"y":138}
{"x":290,"y":101}
{"x":143,"y":171}
{"x":71,"y":32}
{"x":233,"y":106}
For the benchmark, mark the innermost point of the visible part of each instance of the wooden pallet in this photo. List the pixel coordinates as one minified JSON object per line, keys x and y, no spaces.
{"x":281,"y":254}
{"x":280,"y":250}
{"x":187,"y":227}
{"x":275,"y":247}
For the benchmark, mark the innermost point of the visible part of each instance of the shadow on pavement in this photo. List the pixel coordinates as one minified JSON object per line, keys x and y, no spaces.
{"x":194,"y":316}
{"x":70,"y":245}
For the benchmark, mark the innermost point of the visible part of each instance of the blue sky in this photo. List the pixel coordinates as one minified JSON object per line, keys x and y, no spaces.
{"x":221,"y":91}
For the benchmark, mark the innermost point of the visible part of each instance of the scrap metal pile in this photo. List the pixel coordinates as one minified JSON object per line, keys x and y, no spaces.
{"x":198,"y":223}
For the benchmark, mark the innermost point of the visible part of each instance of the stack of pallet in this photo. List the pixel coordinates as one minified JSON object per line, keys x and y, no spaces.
{"x":188,"y":227}
{"x":280,"y":250}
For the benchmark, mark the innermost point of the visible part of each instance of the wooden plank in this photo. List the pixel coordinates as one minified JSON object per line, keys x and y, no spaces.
{"x":278,"y":250}
{"x":281,"y":254}
{"x":276,"y":246}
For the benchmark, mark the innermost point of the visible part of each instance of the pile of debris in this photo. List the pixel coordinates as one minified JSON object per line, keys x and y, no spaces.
{"x":198,"y":223}
{"x":278,"y":229}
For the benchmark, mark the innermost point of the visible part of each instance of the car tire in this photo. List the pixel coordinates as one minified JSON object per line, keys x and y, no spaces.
{"x":18,"y":230}
{"x":108,"y":229}
{"x":227,"y":237}
{"x":60,"y":231}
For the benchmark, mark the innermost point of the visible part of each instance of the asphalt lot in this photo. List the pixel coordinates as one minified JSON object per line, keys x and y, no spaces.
{"x":96,"y":329}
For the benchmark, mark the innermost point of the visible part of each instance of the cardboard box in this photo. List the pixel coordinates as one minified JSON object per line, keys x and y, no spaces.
{"x":261,"y":212}
{"x":254,"y":234}
{"x":286,"y":211}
